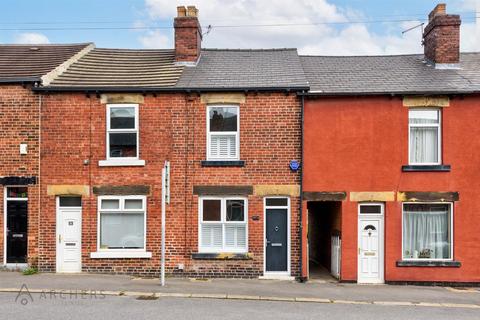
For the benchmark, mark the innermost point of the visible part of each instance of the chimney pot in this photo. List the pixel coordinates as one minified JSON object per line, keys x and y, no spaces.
{"x":192,"y":11}
{"x":181,"y":11}
{"x":439,"y":10}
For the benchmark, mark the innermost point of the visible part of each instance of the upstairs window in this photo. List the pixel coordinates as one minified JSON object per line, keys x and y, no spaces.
{"x":424,"y":137}
{"x":122,"y":131}
{"x":223,"y":133}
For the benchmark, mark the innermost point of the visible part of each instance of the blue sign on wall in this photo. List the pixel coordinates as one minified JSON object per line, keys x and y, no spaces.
{"x":294,"y":165}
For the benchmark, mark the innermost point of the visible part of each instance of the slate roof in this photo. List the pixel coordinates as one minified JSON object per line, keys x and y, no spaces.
{"x":127,"y":68}
{"x":29,"y":62}
{"x":407,"y":74}
{"x":245,"y":69}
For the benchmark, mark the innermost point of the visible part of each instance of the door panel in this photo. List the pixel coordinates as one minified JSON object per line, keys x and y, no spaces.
{"x":370,"y":250}
{"x":17,"y":231}
{"x":276,"y":235}
{"x":69,"y":246}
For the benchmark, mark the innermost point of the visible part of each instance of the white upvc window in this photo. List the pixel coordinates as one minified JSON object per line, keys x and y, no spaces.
{"x":427,"y":231}
{"x":223,"y":224}
{"x":425,"y":136}
{"x":122,"y":131}
{"x":223,"y":132}
{"x":121,"y":223}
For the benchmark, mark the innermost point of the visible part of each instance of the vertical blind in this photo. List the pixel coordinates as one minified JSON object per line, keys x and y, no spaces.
{"x":121,"y":230}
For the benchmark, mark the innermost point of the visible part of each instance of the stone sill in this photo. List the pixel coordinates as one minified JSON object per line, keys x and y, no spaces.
{"x":121,"y":163}
{"x":120,"y":255}
{"x":427,"y":168}
{"x":223,"y":163}
{"x":221,"y":256}
{"x":428,"y":263}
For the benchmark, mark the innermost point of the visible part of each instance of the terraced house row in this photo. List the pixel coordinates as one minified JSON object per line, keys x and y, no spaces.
{"x":281,"y":165}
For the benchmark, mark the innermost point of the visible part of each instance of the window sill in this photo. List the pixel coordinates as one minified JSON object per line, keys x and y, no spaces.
{"x":427,"y":168}
{"x":121,"y":163}
{"x":223,"y":163}
{"x":222,"y":256}
{"x":428,"y":263}
{"x":120,"y":254}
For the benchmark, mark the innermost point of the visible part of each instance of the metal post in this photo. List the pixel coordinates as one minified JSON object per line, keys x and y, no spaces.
{"x":162,"y":276}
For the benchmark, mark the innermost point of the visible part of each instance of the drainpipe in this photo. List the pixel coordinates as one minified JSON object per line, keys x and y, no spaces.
{"x":40,"y":102}
{"x":302,"y":279}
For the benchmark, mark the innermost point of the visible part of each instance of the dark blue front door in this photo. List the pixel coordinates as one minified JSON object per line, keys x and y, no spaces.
{"x":276,"y":234}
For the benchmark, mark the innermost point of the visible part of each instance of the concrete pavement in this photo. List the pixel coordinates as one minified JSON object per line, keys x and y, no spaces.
{"x":272,"y":290}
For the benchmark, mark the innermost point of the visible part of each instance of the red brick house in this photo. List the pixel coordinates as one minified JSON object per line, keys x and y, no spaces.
{"x":391,"y":163}
{"x":21,"y":68}
{"x":229,"y":123}
{"x":386,"y":192}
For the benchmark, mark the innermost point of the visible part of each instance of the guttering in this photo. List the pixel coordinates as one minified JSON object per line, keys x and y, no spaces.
{"x":20,"y":80}
{"x":389,"y":93}
{"x":167,"y":89}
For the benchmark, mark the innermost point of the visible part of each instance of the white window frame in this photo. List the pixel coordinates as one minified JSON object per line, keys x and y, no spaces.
{"x":221,"y":133}
{"x":121,"y":253}
{"x":223,"y":222}
{"x":5,"y":199}
{"x":451,"y":231}
{"x":122,"y":161}
{"x":426,"y":125}
{"x":381,"y":205}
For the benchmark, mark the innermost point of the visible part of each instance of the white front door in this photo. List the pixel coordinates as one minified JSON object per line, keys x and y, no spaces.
{"x":69,"y":235}
{"x":370,"y":248}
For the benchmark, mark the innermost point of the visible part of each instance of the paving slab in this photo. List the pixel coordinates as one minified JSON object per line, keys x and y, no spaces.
{"x":242,"y":289}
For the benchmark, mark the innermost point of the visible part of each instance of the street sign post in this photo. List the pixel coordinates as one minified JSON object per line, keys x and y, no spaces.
{"x":165,"y":200}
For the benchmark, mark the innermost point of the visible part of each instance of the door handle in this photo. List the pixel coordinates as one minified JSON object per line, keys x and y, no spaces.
{"x":59,"y":238}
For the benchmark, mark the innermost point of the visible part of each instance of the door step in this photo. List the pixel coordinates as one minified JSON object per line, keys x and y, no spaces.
{"x":276,"y":277}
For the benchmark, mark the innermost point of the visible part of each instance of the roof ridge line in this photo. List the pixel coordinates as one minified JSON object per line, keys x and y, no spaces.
{"x":361,"y":56}
{"x":44,"y":44}
{"x":249,"y":50}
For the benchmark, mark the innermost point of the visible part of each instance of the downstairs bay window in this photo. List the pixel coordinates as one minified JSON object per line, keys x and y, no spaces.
{"x":121,"y":227}
{"x":427,"y":231}
{"x":223,"y":225}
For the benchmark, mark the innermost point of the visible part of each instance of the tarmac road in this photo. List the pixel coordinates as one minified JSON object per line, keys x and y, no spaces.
{"x":127,"y":307}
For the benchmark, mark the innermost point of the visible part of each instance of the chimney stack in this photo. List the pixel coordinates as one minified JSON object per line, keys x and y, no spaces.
{"x":188,"y":35}
{"x":441,"y":37}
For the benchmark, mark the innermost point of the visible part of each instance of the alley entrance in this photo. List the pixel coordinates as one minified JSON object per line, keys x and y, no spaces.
{"x":324,"y":239}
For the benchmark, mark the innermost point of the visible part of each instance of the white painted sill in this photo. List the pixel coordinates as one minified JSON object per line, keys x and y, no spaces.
{"x":121,"y":163}
{"x":120,"y":254}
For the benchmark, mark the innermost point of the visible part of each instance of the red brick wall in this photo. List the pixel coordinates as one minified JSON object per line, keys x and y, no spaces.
{"x":19,"y":123}
{"x":173,"y":127}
